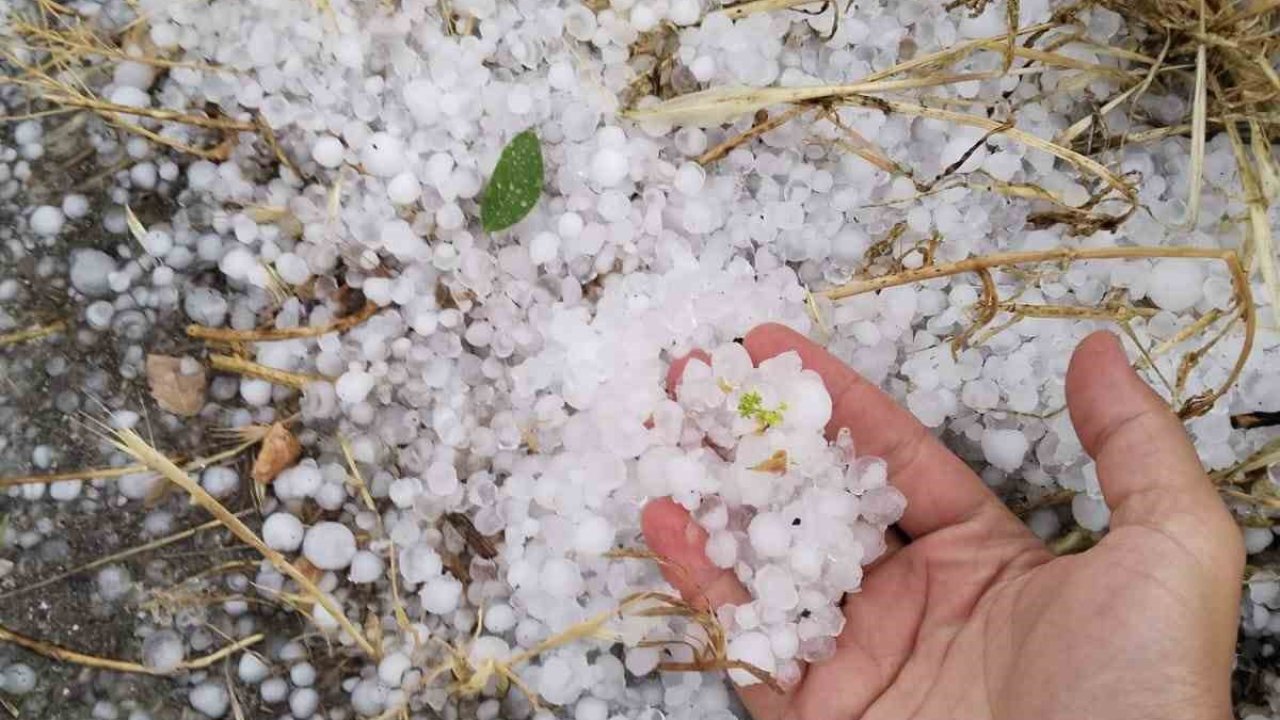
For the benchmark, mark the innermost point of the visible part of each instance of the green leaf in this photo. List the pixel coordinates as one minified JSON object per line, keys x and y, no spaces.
{"x":516,"y":183}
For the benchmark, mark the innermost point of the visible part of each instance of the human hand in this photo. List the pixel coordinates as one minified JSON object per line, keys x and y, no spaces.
{"x":972,"y":617}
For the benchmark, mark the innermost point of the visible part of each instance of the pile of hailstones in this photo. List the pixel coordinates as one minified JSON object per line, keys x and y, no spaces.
{"x":743,"y":449}
{"x":796,"y":517}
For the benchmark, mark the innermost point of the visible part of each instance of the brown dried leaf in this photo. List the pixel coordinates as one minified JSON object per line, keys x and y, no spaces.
{"x":177,"y":389}
{"x":280,"y":450}
{"x":776,"y":463}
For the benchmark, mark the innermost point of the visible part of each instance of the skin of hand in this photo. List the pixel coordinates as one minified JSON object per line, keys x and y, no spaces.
{"x":971,"y":617}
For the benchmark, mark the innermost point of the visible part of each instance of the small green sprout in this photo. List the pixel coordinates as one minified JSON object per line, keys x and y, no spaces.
{"x":751,"y":406}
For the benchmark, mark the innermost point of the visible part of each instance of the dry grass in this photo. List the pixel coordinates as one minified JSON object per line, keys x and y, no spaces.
{"x":61,"y":654}
{"x":131,"y":443}
{"x":34,"y":332}
{"x":227,"y":335}
{"x":248,"y":368}
{"x":709,"y":646}
{"x":60,"y":56}
{"x":1241,"y":312}
{"x":1218,"y":53}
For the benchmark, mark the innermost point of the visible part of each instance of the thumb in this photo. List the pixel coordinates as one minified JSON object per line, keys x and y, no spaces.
{"x":1147,"y":467}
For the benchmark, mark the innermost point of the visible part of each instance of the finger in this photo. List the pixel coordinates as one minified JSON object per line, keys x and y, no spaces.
{"x":1147,"y":467}
{"x":941,"y":490}
{"x":674,"y":536}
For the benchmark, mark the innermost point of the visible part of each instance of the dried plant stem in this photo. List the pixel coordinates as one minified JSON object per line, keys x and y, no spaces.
{"x":1057,"y":497}
{"x":1081,"y":162}
{"x":987,"y":262}
{"x":133,"y":444}
{"x":61,"y":654}
{"x":113,"y":472}
{"x":32,"y":333}
{"x":720,"y":151}
{"x":1243,"y":306}
{"x":1117,"y":313}
{"x":226,"y":335}
{"x":240,"y":366}
{"x":122,"y":555}
{"x":1265,"y":456}
{"x":751,"y":7}
{"x":1260,"y":500}
{"x":1248,"y":421}
{"x":102,"y":106}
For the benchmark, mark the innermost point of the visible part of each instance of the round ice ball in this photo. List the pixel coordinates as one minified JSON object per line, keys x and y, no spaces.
{"x":1005,"y":449}
{"x":47,"y":220}
{"x":1090,"y":512}
{"x":283,"y":531}
{"x":327,"y":151}
{"x":609,"y":166}
{"x":753,"y":648}
{"x":383,"y":155}
{"x":90,"y":270}
{"x":163,"y":651}
{"x":210,"y":699}
{"x":329,"y":545}
{"x":1176,"y":284}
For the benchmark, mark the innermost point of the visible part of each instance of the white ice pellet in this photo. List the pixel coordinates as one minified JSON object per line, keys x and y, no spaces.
{"x":383,"y":155}
{"x":544,"y":247}
{"x":440,"y":595}
{"x":769,"y":534}
{"x":593,"y":536}
{"x":722,"y":549}
{"x":561,"y":578}
{"x":1176,"y":284}
{"x":47,"y":220}
{"x":327,"y":151}
{"x":753,"y":648}
{"x":90,"y":270}
{"x":1004,"y":449}
{"x":1090,"y":512}
{"x":114,"y":582}
{"x":303,"y":702}
{"x":1257,"y":539}
{"x":689,"y":178}
{"x":329,"y":545}
{"x":353,"y":386}
{"x":274,"y":690}
{"x":18,"y":679}
{"x":366,"y":567}
{"x":251,"y":669}
{"x":392,"y":669}
{"x":220,"y":482}
{"x":609,"y":166}
{"x":163,"y":651}
{"x":302,"y":675}
{"x":65,"y":490}
{"x":499,"y":618}
{"x":283,"y":531}
{"x":403,"y":189}
{"x":210,"y":699}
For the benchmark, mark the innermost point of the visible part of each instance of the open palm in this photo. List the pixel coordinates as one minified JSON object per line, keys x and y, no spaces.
{"x":971,"y":617}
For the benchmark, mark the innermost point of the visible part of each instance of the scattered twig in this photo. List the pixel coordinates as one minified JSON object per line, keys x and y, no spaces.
{"x":226,"y":335}
{"x":240,"y":366}
{"x":756,"y":130}
{"x":117,"y":557}
{"x":1243,"y":304}
{"x":32,"y":333}
{"x":130,"y":442}
{"x":1248,"y":421}
{"x":61,"y":654}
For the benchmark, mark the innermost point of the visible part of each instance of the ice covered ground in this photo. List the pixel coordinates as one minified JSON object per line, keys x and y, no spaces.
{"x":477,"y":441}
